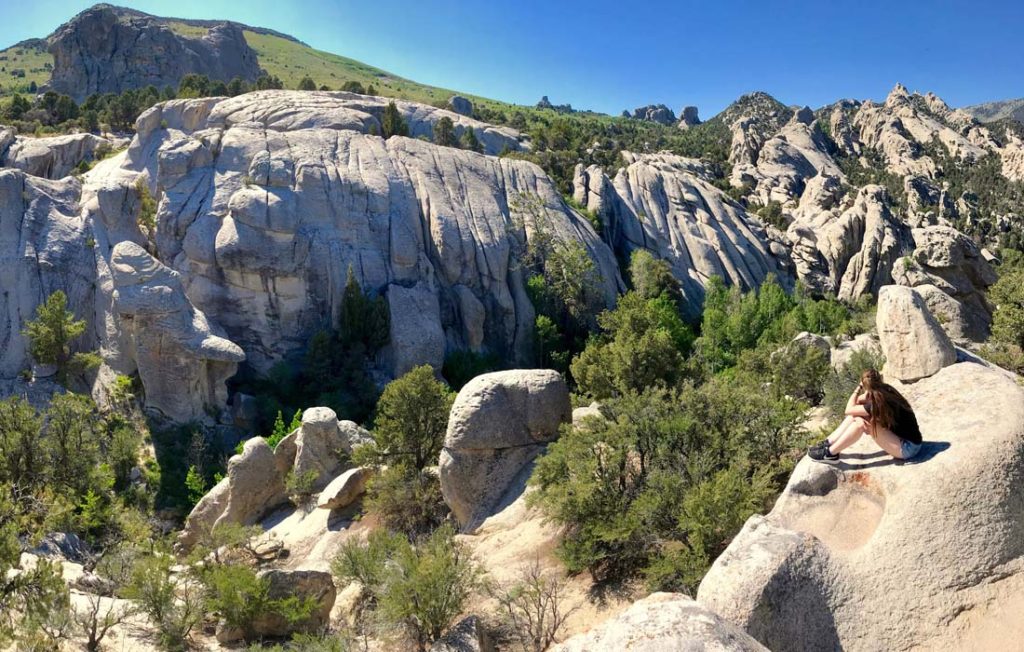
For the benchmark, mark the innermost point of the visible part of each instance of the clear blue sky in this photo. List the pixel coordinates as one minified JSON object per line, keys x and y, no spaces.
{"x":608,"y":55}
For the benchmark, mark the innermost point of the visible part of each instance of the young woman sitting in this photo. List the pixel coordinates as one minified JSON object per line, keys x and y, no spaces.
{"x":877,"y":409}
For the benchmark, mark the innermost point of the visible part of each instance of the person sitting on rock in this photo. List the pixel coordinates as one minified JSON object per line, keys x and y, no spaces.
{"x":875,"y":408}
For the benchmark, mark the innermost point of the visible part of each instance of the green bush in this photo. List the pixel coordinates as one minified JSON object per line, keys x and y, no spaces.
{"x":50,"y":336}
{"x":444,"y":132}
{"x":652,"y":277}
{"x":411,"y":421}
{"x":633,"y":490}
{"x":392,"y":124}
{"x":642,"y":345}
{"x":405,"y":502}
{"x":418,"y":590}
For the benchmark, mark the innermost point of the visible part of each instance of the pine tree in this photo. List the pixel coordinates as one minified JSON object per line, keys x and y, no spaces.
{"x":307,"y":84}
{"x":444,"y":132}
{"x":392,"y":123}
{"x":471,"y":142}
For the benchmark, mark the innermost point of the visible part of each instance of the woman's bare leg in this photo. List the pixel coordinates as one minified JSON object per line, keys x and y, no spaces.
{"x":852,"y":430}
{"x":839,"y":429}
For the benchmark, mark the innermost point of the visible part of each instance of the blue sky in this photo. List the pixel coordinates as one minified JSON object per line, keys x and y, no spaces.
{"x":608,"y":55}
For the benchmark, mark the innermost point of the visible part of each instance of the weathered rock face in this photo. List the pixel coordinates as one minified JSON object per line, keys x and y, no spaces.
{"x":851,"y":253}
{"x":182,"y":361}
{"x":914,"y":344}
{"x":662,"y":622}
{"x":52,"y":157}
{"x":102,"y":50}
{"x":926,"y":539}
{"x":498,"y":424}
{"x":43,"y":248}
{"x":312,"y":585}
{"x":345,"y":489}
{"x":667,"y":205}
{"x":467,"y":635}
{"x":302,"y":195}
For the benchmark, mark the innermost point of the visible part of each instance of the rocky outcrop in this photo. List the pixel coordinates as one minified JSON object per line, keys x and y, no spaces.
{"x":52,"y":157}
{"x":849,"y":253}
{"x":104,"y":50}
{"x":913,"y":342}
{"x":653,"y":113}
{"x":253,"y":485}
{"x":499,"y":423}
{"x":667,"y":205}
{"x":662,"y":622}
{"x":302,"y":196}
{"x":688,"y":117}
{"x":257,"y":477}
{"x":182,"y":359}
{"x":467,"y":635}
{"x":927,"y":538}
{"x":43,"y":248}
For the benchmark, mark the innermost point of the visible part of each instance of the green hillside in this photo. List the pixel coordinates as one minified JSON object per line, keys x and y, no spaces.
{"x":23,"y":64}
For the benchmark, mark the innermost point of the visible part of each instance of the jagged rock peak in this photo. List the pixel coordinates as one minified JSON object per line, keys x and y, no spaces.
{"x":688,"y":117}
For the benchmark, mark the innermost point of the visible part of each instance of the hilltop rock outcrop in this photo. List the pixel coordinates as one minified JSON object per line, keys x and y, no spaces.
{"x":499,"y":423}
{"x":653,"y":113}
{"x":662,"y":622}
{"x":104,"y":50}
{"x":870,"y":532}
{"x":688,"y":117}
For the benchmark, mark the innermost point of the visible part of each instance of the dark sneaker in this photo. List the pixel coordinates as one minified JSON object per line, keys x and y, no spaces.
{"x":822,"y":455}
{"x":824,"y":443}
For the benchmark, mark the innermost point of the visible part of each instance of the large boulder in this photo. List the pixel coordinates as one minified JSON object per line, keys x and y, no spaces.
{"x":253,"y":486}
{"x":467,"y":635}
{"x":460,"y":105}
{"x":663,"y":622}
{"x":52,"y":157}
{"x":345,"y":489}
{"x":321,"y":444}
{"x":913,"y":342}
{"x":498,"y":424}
{"x":923,"y":540}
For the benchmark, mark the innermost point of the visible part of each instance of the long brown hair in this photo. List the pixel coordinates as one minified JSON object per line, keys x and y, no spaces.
{"x":883,"y":398}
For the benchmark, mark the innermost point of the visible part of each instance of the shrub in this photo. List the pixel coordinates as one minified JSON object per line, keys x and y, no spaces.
{"x":147,"y":207}
{"x":411,"y":421}
{"x":652,"y":277}
{"x":51,"y":333}
{"x":641,"y":345}
{"x":632,"y":489}
{"x":470,"y":142}
{"x":531,"y":607}
{"x":392,"y":124}
{"x":462,"y":366}
{"x":444,"y":132}
{"x":417,"y":591}
{"x":174,"y":608}
{"x":1008,"y":297}
{"x":410,"y":503}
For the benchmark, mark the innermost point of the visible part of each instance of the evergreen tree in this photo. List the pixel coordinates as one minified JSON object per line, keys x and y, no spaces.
{"x":470,"y":141}
{"x":50,"y":334}
{"x":392,"y":123}
{"x":444,"y":132}
{"x":307,"y":84}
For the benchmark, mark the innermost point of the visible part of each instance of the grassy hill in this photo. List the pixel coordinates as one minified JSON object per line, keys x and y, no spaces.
{"x":22,"y":64}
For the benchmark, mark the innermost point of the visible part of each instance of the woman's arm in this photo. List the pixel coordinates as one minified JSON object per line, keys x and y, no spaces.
{"x":854,"y":406}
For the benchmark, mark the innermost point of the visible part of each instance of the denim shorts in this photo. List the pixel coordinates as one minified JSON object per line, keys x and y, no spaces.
{"x":909,"y":449}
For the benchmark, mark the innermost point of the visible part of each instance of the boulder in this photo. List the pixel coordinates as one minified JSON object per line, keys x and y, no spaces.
{"x":812,"y":340}
{"x":253,"y":486}
{"x":913,"y":342}
{"x":345,"y":489}
{"x":467,"y":635}
{"x":62,"y":546}
{"x":654,"y":113}
{"x":499,"y":423}
{"x":844,"y":351}
{"x":319,"y":446}
{"x":460,"y":105}
{"x":52,"y":157}
{"x":663,"y":622}
{"x":929,"y":538}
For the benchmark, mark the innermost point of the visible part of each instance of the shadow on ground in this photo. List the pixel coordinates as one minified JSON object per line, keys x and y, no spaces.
{"x":876,"y":459}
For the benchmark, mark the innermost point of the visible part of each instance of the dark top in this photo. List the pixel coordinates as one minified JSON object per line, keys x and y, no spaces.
{"x":904,"y":422}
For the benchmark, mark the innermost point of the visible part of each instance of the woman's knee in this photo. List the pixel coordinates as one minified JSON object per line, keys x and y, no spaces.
{"x":862,"y":424}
